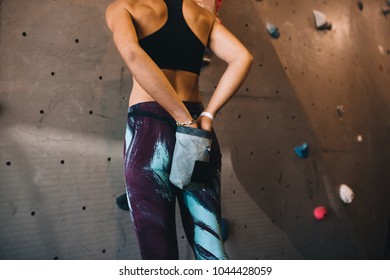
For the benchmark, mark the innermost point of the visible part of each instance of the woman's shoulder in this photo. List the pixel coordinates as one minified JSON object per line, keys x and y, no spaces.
{"x":193,"y":6}
{"x":202,"y":19}
{"x":130,"y":5}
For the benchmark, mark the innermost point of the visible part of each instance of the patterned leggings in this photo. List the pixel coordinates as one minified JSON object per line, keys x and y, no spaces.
{"x":148,"y":153}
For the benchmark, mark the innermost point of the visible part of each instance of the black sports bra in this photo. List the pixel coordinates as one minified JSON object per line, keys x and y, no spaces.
{"x":174,"y":46}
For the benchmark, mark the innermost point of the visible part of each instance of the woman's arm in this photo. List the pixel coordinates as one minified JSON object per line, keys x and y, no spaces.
{"x":143,"y":68}
{"x":228,"y":48}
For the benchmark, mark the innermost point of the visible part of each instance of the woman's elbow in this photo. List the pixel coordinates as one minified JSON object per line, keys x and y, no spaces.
{"x":128,"y":51}
{"x":246,"y":58}
{"x":249,"y":57}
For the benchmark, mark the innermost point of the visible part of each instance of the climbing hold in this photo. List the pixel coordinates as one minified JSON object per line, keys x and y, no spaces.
{"x":381,"y":49}
{"x":346,"y":193}
{"x":340,"y":110}
{"x":224,"y":229}
{"x":388,"y":3}
{"x":273,"y":30}
{"x":359,"y":138}
{"x":218,"y":4}
{"x":302,"y":150}
{"x":321,"y":21}
{"x":360,"y":5}
{"x":386,"y":11}
{"x":320,"y":213}
{"x":206,"y":60}
{"x":207,"y":57}
{"x":121,"y":201}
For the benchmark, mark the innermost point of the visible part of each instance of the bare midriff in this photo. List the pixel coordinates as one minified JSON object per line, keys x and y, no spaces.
{"x":185,"y":84}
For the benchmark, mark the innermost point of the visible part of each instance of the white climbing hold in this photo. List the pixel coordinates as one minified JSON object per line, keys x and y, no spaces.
{"x":359,"y":138}
{"x":321,"y":20}
{"x":346,"y":194}
{"x":340,"y":110}
{"x":272,"y":30}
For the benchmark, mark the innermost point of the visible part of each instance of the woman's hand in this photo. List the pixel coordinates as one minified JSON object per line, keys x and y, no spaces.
{"x":205,"y":123}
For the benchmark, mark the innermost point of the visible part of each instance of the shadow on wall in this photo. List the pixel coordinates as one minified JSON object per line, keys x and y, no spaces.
{"x":272,"y":118}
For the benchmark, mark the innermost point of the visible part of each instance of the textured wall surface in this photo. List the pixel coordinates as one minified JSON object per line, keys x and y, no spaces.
{"x":63,"y":104}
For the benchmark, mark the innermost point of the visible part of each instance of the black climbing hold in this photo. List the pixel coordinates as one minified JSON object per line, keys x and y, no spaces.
{"x":24,"y":34}
{"x":121,"y":202}
{"x":8,"y":163}
{"x":360,"y":5}
{"x":224,"y":229}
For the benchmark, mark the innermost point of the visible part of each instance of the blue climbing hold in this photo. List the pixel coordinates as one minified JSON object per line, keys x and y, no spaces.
{"x":273,"y":30}
{"x":224,"y":229}
{"x":302,"y":151}
{"x":388,"y":3}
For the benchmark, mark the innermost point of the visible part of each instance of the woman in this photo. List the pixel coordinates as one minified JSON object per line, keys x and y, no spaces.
{"x":162,"y":43}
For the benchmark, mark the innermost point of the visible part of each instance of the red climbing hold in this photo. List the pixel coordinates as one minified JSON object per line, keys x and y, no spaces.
{"x":320,"y":212}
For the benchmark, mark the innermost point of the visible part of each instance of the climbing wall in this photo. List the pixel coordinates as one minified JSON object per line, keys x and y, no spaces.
{"x":63,"y":104}
{"x":327,"y":88}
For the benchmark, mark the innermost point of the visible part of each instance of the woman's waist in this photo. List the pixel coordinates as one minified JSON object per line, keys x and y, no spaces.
{"x":186,"y":88}
{"x":138,"y":96}
{"x":141,"y":106}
